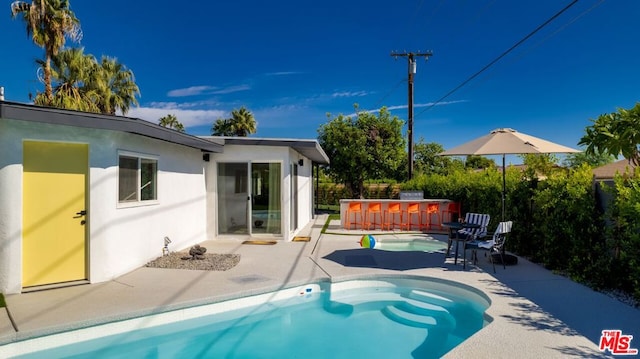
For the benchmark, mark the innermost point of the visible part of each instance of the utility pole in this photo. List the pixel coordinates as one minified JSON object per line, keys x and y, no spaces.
{"x":412,"y":71}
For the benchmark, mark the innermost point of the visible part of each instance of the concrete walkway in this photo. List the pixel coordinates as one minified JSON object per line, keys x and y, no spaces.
{"x":536,"y":314}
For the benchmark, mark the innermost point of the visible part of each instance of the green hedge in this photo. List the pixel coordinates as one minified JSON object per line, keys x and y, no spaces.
{"x":623,"y":234}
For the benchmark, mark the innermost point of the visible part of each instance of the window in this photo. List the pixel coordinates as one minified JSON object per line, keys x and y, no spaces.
{"x":137,"y":179}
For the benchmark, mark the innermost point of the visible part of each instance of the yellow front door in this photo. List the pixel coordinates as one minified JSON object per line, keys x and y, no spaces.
{"x":54,"y":212}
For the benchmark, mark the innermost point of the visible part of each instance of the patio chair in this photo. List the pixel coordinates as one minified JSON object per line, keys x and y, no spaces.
{"x":474,"y":233}
{"x":495,"y":244}
{"x":470,"y":234}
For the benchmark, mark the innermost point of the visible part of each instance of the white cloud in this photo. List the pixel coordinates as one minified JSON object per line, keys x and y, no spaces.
{"x":283,"y":73}
{"x":415,"y":105}
{"x":349,"y":94}
{"x":206,"y":90}
{"x":231,"y":89}
{"x":189,"y":118}
{"x":190,"y":91}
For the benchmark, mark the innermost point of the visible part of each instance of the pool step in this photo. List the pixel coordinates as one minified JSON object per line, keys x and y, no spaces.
{"x":416,"y":308}
{"x":403,"y":317}
{"x":362,"y":298}
{"x":431,"y":298}
{"x":399,"y":313}
{"x":420,"y":307}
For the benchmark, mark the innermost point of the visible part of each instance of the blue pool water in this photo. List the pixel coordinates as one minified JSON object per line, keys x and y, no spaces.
{"x":406,"y":317}
{"x":424,"y":245}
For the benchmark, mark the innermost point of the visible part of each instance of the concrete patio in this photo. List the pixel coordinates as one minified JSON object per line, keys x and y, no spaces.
{"x":536,"y":314}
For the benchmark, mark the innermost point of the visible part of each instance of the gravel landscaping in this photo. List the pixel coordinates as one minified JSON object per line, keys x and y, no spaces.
{"x":209,"y":261}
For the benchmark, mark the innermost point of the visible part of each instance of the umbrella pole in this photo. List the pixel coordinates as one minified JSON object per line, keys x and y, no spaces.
{"x":504,"y":186}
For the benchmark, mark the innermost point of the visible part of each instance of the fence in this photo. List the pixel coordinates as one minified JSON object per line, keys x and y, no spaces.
{"x":331,"y":193}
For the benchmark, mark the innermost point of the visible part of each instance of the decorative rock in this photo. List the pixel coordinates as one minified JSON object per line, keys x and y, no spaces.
{"x":197,"y":252}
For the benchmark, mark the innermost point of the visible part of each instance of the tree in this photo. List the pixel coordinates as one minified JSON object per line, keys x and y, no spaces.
{"x":222,"y":127}
{"x":171,"y":121}
{"x":367,"y":147}
{"x":81,"y":83}
{"x":70,"y":70}
{"x":427,"y":159}
{"x":575,"y":160}
{"x":539,"y":164}
{"x":615,"y":134}
{"x":479,"y":162}
{"x":241,"y":124}
{"x":49,"y":23}
{"x":115,"y":86}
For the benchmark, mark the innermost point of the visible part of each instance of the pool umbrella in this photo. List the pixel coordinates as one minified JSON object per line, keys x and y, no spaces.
{"x":506,"y":141}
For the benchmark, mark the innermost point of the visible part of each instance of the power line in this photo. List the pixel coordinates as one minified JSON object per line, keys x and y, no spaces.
{"x":499,"y":57}
{"x":549,"y":36}
{"x":377,"y":104}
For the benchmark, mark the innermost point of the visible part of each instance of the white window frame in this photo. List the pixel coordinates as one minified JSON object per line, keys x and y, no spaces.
{"x":138,"y":201}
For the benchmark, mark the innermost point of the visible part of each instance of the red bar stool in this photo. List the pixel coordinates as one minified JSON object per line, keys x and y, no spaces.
{"x":374,"y":208}
{"x":412,"y":208}
{"x":452,"y":207}
{"x":432,"y":209}
{"x":390,"y":216}
{"x":355,"y":208}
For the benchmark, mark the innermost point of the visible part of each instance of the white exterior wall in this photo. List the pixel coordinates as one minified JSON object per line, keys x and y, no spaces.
{"x":305,"y":189}
{"x":283,"y":155}
{"x":118,"y":239}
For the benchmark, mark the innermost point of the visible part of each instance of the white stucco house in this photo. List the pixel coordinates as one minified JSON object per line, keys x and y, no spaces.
{"x":87,"y":197}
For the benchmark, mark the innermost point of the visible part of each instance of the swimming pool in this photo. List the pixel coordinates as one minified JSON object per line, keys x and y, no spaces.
{"x":382,"y":317}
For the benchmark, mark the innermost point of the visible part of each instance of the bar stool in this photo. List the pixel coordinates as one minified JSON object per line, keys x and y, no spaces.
{"x":452,"y":207}
{"x":390,"y":215}
{"x":432,"y":209}
{"x":412,"y":208}
{"x":354,"y":208}
{"x":374,"y":208}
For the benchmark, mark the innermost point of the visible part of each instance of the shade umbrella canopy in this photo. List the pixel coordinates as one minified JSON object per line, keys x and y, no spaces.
{"x":506,"y":141}
{"x":503,"y":141}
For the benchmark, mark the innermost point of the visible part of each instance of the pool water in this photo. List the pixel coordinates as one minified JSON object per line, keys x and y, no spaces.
{"x":424,"y":245}
{"x":381,"y":318}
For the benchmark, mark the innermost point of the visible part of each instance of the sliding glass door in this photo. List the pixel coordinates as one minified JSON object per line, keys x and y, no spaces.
{"x":249,"y":207}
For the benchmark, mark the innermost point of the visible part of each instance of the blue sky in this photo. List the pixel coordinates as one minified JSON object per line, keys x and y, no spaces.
{"x":292,"y":62}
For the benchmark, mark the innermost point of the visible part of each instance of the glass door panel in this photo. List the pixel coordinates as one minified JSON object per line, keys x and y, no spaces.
{"x":293,"y":219}
{"x":266,"y":198}
{"x":233,"y":198}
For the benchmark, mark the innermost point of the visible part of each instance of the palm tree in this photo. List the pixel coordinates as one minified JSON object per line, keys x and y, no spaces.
{"x":48,"y":22}
{"x":222,"y":127}
{"x":70,"y":71}
{"x":243,"y":123}
{"x":171,"y":121}
{"x":115,"y":85}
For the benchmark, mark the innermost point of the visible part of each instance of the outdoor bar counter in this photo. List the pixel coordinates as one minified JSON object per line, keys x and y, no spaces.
{"x":435,"y":220}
